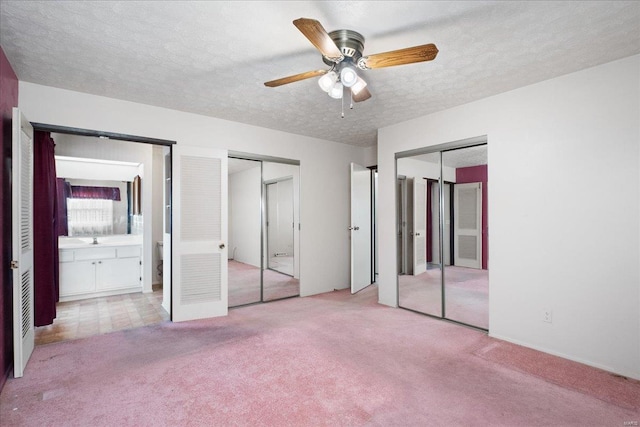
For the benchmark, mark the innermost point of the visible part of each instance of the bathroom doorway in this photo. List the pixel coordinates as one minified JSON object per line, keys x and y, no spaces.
{"x":263,"y":229}
{"x":114,"y":251}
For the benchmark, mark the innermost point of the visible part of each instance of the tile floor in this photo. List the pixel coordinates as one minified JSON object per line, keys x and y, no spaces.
{"x":95,"y":316}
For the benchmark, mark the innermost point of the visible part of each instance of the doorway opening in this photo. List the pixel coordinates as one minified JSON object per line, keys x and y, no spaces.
{"x":263,"y":229}
{"x":442,"y":227}
{"x":114,"y":235}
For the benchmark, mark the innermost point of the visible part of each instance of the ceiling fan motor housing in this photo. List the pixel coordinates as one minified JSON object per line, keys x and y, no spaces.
{"x":350,"y":43}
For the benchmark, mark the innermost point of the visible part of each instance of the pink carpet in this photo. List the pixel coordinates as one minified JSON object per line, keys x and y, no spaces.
{"x":328,"y":360}
{"x":244,"y":284}
{"x":466,"y":290}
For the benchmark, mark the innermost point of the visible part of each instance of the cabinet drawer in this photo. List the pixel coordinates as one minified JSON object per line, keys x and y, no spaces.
{"x":95,"y":253}
{"x":128,"y":252}
{"x":65,"y":256}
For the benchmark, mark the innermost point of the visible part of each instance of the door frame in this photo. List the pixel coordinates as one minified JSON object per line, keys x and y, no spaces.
{"x":46,"y":127}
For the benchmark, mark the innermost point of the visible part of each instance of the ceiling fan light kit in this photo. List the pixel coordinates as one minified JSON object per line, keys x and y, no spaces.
{"x":342,"y":51}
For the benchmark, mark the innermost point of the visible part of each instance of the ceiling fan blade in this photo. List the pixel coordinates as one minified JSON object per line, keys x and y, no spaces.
{"x":295,"y":78}
{"x":317,"y":35}
{"x":363,"y":95}
{"x":410,"y":55}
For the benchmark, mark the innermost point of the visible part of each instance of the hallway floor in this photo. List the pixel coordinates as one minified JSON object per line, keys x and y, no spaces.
{"x":95,"y":316}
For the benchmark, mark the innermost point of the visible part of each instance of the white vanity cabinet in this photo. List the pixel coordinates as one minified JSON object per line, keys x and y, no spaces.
{"x":93,"y":271}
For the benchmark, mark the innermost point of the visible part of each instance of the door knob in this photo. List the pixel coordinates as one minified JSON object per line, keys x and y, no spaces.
{"x":221,"y":246}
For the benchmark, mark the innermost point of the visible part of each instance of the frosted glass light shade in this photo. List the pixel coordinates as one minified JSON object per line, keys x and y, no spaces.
{"x":348,"y":76}
{"x":327,"y":81}
{"x":336,"y":91}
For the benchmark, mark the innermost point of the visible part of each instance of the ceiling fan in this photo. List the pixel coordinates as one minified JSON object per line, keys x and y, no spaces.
{"x":342,"y":51}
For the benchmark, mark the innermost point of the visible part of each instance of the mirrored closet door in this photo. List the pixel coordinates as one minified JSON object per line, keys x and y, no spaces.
{"x":245,"y":228}
{"x":418,"y":208}
{"x":442,"y":233}
{"x":263,"y":231}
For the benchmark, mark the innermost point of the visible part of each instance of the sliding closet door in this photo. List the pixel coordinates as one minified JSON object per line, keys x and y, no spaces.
{"x":199,"y":233}
{"x":420,"y":280}
{"x":245,"y":228}
{"x":280,"y":275}
{"x":466,"y":280}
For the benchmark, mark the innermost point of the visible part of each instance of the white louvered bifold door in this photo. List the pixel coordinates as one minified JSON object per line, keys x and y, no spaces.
{"x":419,"y":226}
{"x":468,"y":225}
{"x":22,"y":242}
{"x":199,"y":285}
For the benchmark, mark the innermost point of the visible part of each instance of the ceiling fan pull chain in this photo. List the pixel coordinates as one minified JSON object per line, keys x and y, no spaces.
{"x":342,"y":103}
{"x":351,"y":97}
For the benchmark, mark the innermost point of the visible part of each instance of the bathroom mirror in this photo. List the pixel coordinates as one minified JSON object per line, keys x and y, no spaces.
{"x":98,"y":197}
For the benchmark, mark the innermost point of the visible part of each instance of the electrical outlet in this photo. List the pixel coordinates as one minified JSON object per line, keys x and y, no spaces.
{"x":547,"y":315}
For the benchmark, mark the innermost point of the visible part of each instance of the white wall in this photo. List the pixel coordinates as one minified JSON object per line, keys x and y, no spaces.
{"x":244,"y":215}
{"x":74,"y":167}
{"x":324,"y":165}
{"x":370,"y":156}
{"x":574,"y":249}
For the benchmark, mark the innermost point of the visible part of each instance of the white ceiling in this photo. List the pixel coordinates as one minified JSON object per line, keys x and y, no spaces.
{"x":212,"y":58}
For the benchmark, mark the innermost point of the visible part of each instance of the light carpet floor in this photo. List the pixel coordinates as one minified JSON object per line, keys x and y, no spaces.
{"x":466,"y":294}
{"x":244,"y":284}
{"x":328,"y":360}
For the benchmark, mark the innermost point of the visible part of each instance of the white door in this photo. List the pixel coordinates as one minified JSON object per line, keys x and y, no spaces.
{"x":199,"y":263}
{"x":360,"y":227}
{"x":468,"y":225}
{"x":419,"y":226}
{"x":22,"y":242}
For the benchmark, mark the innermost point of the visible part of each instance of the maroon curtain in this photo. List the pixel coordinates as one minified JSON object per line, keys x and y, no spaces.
{"x":45,"y":235}
{"x":63,"y":191}
{"x":86,"y":192}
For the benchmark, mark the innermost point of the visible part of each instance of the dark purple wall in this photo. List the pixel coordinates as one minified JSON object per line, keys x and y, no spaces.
{"x":478,"y":174}
{"x":8,"y":100}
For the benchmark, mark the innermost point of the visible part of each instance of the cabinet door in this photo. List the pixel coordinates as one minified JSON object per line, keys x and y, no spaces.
{"x":77,"y":277}
{"x":117,"y":273}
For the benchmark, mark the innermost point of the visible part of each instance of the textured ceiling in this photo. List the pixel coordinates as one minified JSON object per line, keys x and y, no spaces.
{"x":212,"y":58}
